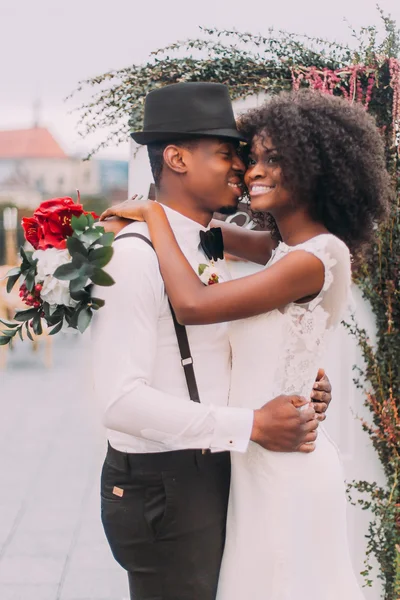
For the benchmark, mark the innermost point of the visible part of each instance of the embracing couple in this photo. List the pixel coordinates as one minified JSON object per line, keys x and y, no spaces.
{"x":239,"y":388}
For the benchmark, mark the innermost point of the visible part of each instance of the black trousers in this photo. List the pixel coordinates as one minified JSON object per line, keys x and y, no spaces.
{"x":164,"y":516}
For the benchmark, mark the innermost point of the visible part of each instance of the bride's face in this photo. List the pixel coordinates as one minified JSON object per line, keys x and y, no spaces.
{"x":264,"y":177}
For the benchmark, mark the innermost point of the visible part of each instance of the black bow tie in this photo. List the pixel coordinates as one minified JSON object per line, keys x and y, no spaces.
{"x":212,"y":243}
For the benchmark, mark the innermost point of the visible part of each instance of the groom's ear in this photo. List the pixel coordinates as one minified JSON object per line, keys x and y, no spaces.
{"x":175,"y":157}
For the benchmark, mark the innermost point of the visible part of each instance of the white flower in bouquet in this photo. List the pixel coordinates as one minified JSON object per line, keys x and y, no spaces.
{"x":54,"y":291}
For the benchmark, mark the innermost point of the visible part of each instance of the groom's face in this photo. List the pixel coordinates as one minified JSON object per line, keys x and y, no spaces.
{"x":214,"y":175}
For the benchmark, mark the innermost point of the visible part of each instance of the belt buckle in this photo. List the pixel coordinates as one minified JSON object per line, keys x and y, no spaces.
{"x":205,"y":451}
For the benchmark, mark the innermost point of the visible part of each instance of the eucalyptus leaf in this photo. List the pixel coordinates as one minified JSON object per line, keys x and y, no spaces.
{"x":89,"y":236}
{"x":20,"y":333}
{"x":66,"y":272}
{"x":78,"y":286}
{"x":75,"y":246}
{"x":106,"y":239}
{"x":101,"y":256}
{"x":79,"y":223}
{"x":4,"y":340}
{"x":86,"y":270}
{"x":100,"y":277}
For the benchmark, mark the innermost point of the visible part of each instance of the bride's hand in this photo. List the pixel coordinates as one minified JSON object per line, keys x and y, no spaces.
{"x":133,"y":209}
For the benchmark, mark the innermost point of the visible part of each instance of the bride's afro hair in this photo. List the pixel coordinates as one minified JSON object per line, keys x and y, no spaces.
{"x":332,"y":157}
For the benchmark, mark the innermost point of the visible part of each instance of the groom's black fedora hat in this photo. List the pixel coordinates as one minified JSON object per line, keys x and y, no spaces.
{"x":187,"y":110}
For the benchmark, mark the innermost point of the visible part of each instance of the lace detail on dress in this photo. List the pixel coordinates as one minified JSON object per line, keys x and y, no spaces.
{"x":307,"y":325}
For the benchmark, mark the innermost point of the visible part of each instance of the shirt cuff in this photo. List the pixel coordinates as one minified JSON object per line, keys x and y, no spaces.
{"x":233,"y":427}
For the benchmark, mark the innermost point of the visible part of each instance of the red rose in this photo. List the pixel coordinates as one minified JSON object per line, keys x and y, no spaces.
{"x":32,"y":231}
{"x":54,"y":217}
{"x":51,"y":223}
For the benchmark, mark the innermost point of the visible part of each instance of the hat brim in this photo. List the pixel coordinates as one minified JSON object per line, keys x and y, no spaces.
{"x":150,"y":137}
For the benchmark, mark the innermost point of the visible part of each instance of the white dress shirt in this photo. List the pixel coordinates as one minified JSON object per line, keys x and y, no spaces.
{"x":138,"y":377}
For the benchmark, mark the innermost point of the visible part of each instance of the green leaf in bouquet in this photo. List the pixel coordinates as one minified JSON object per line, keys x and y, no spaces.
{"x":86,"y":270}
{"x":106,"y":239}
{"x":30,"y":279}
{"x":12,"y":281}
{"x":77,"y":287}
{"x":97,"y":303}
{"x":84,"y":318}
{"x":66,"y":272}
{"x":9,"y":323}
{"x":12,"y":273}
{"x":75,"y":246}
{"x":9,"y":333}
{"x":27,"y":257}
{"x":53,"y":310}
{"x":4,"y":340}
{"x":20,"y":333}
{"x":100,"y":277}
{"x":28,"y":333}
{"x":99,"y":228}
{"x":25,"y":315}
{"x":90,"y":220}
{"x":79,"y":224}
{"x":37,"y":324}
{"x":89,"y":236}
{"x":101,"y":256}
{"x":57,"y":328}
{"x":71,"y":270}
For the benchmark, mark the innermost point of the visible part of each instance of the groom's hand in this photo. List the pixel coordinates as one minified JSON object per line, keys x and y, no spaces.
{"x":321,"y":394}
{"x":281,"y":427}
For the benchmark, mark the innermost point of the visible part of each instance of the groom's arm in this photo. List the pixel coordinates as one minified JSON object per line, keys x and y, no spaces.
{"x":125,"y":340}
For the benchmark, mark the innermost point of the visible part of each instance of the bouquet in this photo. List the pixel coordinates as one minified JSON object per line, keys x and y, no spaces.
{"x":56,"y":279}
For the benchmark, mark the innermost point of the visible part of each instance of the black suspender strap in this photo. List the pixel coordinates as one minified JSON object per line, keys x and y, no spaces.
{"x":181,"y":335}
{"x":186,"y":357}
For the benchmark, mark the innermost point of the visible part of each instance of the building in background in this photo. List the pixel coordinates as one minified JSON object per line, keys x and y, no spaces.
{"x":35,"y":167}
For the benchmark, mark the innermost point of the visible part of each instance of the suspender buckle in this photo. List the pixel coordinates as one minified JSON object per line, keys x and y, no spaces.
{"x":187,"y":361}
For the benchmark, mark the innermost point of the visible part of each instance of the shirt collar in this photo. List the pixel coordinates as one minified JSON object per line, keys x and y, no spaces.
{"x":184,"y":228}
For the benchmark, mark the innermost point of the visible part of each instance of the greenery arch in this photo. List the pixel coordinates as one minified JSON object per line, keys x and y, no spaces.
{"x":251,"y":64}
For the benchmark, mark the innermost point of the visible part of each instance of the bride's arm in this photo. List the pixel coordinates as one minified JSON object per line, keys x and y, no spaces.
{"x":255,"y":246}
{"x":296,"y":276}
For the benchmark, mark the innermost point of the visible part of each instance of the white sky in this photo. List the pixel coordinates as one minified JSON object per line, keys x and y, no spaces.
{"x":47,"y":46}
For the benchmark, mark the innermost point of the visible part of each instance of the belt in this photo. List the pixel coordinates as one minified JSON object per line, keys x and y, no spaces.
{"x":162,"y":461}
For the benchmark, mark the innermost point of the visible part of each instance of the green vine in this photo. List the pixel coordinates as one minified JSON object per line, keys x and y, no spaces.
{"x":249,"y":65}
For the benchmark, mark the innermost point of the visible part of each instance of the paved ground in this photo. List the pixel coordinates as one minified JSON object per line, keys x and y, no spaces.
{"x":52,"y":545}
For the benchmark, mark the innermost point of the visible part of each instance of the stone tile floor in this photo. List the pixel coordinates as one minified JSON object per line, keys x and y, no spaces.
{"x":52,"y":546}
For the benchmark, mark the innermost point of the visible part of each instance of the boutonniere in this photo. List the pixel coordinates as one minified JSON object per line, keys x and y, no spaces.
{"x":209,"y":274}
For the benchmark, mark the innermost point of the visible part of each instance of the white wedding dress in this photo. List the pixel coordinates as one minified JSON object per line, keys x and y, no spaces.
{"x":286,"y":530}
